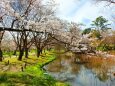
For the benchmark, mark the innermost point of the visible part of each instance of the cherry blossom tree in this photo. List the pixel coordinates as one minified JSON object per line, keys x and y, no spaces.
{"x":34,"y":21}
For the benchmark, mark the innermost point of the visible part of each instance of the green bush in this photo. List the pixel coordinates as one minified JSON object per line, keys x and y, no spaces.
{"x":105,"y":47}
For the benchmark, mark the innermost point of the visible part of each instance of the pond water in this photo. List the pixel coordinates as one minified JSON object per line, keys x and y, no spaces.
{"x":83,"y":70}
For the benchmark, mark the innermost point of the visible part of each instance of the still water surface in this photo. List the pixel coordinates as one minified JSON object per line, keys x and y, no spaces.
{"x":83,"y":70}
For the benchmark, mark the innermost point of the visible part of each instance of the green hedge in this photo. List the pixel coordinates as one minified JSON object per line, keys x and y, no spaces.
{"x":106,"y":47}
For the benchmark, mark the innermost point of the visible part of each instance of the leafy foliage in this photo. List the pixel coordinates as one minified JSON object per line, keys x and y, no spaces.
{"x":86,"y":31}
{"x":96,"y":33}
{"x":105,"y":47}
{"x":100,"y":23}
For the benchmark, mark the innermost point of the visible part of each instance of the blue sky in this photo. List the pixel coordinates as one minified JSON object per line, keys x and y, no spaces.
{"x":83,"y":11}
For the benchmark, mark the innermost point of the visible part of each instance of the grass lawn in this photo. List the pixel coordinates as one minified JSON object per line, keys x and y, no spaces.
{"x":27,"y":72}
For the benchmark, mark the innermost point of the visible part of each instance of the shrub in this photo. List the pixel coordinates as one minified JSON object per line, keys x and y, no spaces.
{"x":105,"y":47}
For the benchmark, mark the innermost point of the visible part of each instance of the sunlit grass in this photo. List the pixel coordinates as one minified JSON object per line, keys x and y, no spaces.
{"x":32,"y":75}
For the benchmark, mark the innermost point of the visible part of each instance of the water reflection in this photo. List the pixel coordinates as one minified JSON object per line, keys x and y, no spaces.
{"x":83,"y":70}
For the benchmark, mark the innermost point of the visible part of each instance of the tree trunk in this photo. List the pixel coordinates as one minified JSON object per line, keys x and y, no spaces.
{"x":26,"y":52}
{"x":21,"y":54}
{"x":1,"y":55}
{"x":15,"y":51}
{"x":39,"y":51}
{"x":1,"y":37}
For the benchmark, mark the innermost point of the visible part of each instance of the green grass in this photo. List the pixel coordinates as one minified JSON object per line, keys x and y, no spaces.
{"x":33,"y":75}
{"x":26,"y":79}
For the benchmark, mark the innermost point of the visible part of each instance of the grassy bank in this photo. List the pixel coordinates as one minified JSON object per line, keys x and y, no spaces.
{"x":17,"y":74}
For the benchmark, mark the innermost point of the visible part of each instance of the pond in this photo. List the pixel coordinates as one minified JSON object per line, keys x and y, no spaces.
{"x":83,"y":70}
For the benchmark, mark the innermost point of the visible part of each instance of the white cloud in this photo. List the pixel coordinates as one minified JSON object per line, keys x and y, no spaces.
{"x":82,"y":10}
{"x":90,"y":11}
{"x":66,"y":8}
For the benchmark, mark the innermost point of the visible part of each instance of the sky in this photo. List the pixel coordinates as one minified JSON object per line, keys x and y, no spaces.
{"x":83,"y":11}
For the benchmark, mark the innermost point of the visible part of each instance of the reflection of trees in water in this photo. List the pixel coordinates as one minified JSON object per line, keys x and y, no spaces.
{"x":55,"y":66}
{"x":98,"y":70}
{"x":66,"y":65}
{"x":75,"y":68}
{"x":64,"y":62}
{"x":103,"y":76}
{"x":100,"y":67}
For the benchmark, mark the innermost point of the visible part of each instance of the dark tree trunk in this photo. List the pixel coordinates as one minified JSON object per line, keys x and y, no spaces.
{"x":26,"y":52}
{"x":1,"y":37}
{"x":15,"y":51}
{"x":39,"y":51}
{"x":1,"y":55}
{"x":21,"y":54}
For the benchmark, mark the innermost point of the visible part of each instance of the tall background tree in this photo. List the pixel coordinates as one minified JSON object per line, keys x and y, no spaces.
{"x":100,"y":23}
